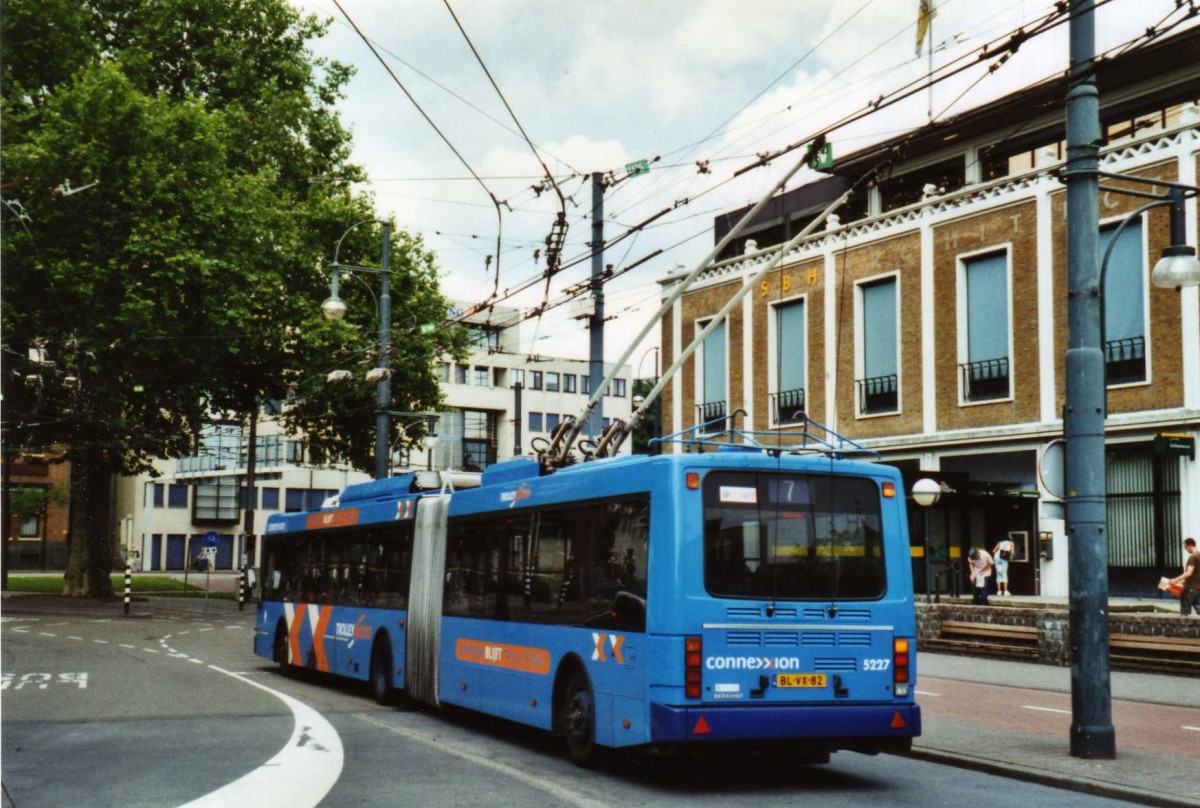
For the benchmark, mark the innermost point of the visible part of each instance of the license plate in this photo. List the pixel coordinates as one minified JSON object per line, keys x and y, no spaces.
{"x":800,"y":680}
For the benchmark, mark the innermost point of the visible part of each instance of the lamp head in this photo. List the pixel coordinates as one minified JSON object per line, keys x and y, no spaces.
{"x":926,"y":492}
{"x":334,"y":308}
{"x":1177,"y":268}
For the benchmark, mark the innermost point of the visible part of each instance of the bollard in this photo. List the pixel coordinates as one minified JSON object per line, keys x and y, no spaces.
{"x":128,"y":584}
{"x":242,"y":591}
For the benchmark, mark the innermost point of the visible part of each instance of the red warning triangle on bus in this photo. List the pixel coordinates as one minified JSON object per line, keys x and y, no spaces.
{"x":898,"y":721}
{"x":701,"y":727}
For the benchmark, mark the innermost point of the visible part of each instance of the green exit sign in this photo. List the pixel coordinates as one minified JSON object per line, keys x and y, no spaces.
{"x":636,"y":169}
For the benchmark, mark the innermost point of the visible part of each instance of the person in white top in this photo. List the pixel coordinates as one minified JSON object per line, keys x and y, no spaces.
{"x":980,"y":570}
{"x":1002,"y":553}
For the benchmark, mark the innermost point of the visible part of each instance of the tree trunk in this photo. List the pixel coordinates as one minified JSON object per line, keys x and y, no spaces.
{"x":90,"y":561}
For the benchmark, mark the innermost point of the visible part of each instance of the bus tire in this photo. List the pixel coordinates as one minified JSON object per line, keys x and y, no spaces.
{"x":578,"y":721}
{"x":381,"y":672}
{"x":280,"y":649}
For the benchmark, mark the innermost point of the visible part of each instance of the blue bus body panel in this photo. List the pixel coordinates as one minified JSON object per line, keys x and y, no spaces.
{"x":332,"y":639}
{"x":509,"y":670}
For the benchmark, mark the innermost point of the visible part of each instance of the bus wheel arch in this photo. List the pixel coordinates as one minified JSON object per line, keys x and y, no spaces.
{"x":380,"y":673}
{"x":575,"y":712}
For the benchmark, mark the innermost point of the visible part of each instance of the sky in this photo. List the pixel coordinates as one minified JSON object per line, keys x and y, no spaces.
{"x":598,"y":85}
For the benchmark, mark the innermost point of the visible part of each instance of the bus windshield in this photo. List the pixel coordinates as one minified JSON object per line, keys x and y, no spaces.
{"x":792,"y":537}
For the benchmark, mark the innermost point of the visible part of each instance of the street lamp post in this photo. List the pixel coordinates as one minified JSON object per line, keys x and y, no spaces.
{"x":1092,"y":734}
{"x":334,"y":308}
{"x":926,"y":493}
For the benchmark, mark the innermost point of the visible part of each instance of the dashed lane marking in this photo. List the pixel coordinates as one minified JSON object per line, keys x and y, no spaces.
{"x":126,"y":645}
{"x":150,"y":651}
{"x":69,"y":637}
{"x":1193,"y":729}
{"x":101,"y":642}
{"x":1045,"y":709}
{"x":925,"y":693}
{"x":47,"y":634}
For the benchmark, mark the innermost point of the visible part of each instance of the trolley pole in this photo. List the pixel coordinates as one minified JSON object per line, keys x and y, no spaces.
{"x":596,"y":323}
{"x":1092,"y":734}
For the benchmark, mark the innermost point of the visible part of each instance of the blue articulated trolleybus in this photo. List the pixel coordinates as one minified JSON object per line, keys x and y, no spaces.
{"x":732,"y":593}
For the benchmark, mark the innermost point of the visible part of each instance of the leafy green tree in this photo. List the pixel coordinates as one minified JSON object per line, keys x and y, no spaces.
{"x":647,"y":427}
{"x":168,"y":218}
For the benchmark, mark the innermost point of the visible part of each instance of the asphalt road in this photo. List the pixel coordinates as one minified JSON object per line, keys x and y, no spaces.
{"x":174,"y":710}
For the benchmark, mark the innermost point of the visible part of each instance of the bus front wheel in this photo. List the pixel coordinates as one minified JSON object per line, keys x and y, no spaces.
{"x":381,"y":672}
{"x":281,"y":650}
{"x":578,"y":721}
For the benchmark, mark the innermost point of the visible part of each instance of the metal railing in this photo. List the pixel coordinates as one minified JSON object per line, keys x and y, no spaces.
{"x":712,"y":414}
{"x":788,"y":406}
{"x":878,"y":394}
{"x":1125,"y":360}
{"x":985,"y":379}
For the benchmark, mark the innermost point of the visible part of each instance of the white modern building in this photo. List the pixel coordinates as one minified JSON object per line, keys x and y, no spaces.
{"x":162,"y":518}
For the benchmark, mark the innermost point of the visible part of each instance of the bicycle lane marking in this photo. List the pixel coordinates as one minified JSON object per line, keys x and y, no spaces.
{"x":299,"y":776}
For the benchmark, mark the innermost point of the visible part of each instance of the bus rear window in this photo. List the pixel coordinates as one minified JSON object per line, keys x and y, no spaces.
{"x":792,"y":537}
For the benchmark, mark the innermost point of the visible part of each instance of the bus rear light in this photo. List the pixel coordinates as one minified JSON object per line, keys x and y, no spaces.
{"x":692,"y":677}
{"x":889,"y":490}
{"x":693,"y":480}
{"x":900,"y":666}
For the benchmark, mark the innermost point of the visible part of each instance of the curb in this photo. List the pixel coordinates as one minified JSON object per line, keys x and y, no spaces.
{"x":1017,"y":771}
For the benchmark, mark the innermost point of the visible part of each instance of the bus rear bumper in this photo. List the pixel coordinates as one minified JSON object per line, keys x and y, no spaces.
{"x":868,"y":727}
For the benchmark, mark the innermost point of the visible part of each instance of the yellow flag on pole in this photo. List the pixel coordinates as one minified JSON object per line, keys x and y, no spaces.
{"x":925,"y":15}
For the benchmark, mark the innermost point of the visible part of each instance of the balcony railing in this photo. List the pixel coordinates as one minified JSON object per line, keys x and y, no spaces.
{"x":1125,"y":360}
{"x":788,"y":406}
{"x":878,"y":394}
{"x":985,"y":379}
{"x":712,"y":411}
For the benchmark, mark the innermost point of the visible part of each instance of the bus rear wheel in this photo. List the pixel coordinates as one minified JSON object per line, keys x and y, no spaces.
{"x":381,"y":672}
{"x":577,"y":719}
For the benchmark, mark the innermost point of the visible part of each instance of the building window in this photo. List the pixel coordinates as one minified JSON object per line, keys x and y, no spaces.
{"x":618,"y":388}
{"x":585,"y":385}
{"x":217,"y":500}
{"x":268,"y":451}
{"x":270,"y":499}
{"x":910,"y":188}
{"x":713,"y":391}
{"x":535,"y":422}
{"x":499,"y":377}
{"x":481,"y":377}
{"x":568,"y":383}
{"x":484,"y":337}
{"x":552,"y":421}
{"x":535,"y":380}
{"x":551,"y":382}
{"x":479,"y":440}
{"x":29,"y":527}
{"x":518,"y":377}
{"x":460,"y":374}
{"x":442,"y":371}
{"x":295,"y":451}
{"x":878,"y":382}
{"x":177,"y":496}
{"x":159,"y":490}
{"x":984,"y":307}
{"x":787,"y":402}
{"x":294,"y":500}
{"x":1124,"y":320}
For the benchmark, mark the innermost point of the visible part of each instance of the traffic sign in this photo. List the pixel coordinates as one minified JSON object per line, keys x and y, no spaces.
{"x":637,"y":168}
{"x":210,"y":539}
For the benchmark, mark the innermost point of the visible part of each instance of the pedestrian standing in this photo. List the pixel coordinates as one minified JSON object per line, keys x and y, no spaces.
{"x":980,"y":570}
{"x":1189,"y":597}
{"x":1002,"y":553}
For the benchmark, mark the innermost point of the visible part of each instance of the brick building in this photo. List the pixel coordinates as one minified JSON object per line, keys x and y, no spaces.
{"x":928,"y":322}
{"x":38,"y":537}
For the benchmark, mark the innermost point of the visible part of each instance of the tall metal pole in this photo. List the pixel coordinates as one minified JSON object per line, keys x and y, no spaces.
{"x":247,"y":558}
{"x":596,"y":367}
{"x":384,"y":388}
{"x":517,"y":416}
{"x":1092,"y":734}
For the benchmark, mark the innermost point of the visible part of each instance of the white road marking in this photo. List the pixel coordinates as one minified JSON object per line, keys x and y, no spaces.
{"x":566,"y":795}
{"x":1045,"y":709}
{"x":150,"y":651}
{"x":299,"y":776}
{"x":101,"y":642}
{"x":206,"y":629}
{"x":74,"y":638}
{"x":56,"y":625}
{"x":124,"y":645}
{"x":1193,"y":729}
{"x":926,"y":693}
{"x":47,"y":634}
{"x":197,"y":661}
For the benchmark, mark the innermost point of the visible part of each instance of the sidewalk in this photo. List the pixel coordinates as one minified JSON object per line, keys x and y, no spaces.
{"x":1136,"y":775}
